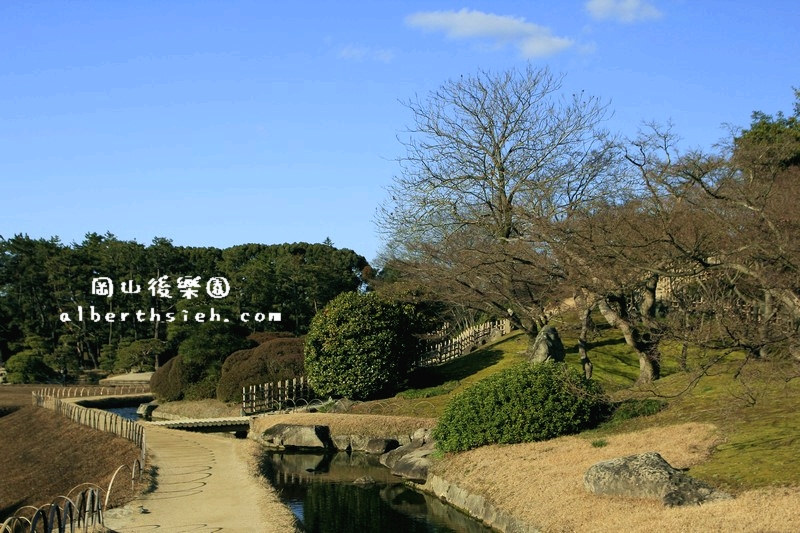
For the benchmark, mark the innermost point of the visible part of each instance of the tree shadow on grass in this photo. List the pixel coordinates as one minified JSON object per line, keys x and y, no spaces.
{"x":605,"y":342}
{"x":7,"y":410}
{"x":457,"y":370}
{"x":8,"y":510}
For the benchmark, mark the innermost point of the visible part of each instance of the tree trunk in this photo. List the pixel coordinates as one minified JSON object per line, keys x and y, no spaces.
{"x":764,"y":318}
{"x":648,"y":305}
{"x":585,"y":362}
{"x":683,"y":359}
{"x":646,"y":349}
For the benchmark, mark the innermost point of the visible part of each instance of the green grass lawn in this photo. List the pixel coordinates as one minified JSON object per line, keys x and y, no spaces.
{"x":758,"y":413}
{"x":449,"y":379}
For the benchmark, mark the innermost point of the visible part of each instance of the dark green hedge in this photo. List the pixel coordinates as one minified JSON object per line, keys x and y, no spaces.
{"x":278,"y":356}
{"x":169,"y":381}
{"x":521,"y":404}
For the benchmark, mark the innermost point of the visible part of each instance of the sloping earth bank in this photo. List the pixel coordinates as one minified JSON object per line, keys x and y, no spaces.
{"x":44,"y":455}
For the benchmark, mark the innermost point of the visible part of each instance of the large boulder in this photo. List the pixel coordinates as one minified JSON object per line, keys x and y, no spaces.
{"x":648,"y":475}
{"x":547,"y":346}
{"x":145,"y":410}
{"x":289,"y":436}
{"x":341,"y":443}
{"x":410,"y":461}
{"x":378,"y":446}
{"x":365,"y":443}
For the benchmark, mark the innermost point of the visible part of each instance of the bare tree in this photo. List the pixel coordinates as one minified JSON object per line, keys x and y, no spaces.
{"x":491,"y":161}
{"x":725,"y":234}
{"x":612,"y":257}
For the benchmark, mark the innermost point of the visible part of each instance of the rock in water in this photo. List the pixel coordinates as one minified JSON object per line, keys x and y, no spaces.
{"x":547,"y":346}
{"x":364,"y":481}
{"x":648,"y":475}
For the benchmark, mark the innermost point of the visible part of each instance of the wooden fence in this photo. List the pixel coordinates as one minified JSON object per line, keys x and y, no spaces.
{"x":94,"y":418}
{"x":83,"y":507}
{"x":93,"y":390}
{"x":465,"y":342}
{"x":289,"y":393}
{"x":296,"y":393}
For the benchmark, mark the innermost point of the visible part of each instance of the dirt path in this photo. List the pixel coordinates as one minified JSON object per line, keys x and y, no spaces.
{"x":205,"y":484}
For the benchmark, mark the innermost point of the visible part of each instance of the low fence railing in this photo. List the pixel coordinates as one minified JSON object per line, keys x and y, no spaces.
{"x":296,"y":393}
{"x":275,"y":396}
{"x":93,"y":390}
{"x":465,"y":342}
{"x":94,"y":418}
{"x":82,"y":508}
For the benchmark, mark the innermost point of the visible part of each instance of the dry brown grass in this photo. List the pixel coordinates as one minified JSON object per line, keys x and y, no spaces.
{"x":15,"y":396}
{"x":347,"y":424}
{"x":44,"y":455}
{"x":199,"y":409}
{"x":542,"y":484}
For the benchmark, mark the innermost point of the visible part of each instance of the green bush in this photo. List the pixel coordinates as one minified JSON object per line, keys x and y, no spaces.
{"x":203,"y":389}
{"x":360,"y":346}
{"x":28,"y":367}
{"x":138,"y":356}
{"x":168,"y":382}
{"x":521,"y":404}
{"x":277,"y":357}
{"x":193,"y":373}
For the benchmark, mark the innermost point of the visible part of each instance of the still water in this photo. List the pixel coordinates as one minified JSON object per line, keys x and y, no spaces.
{"x":319,"y":490}
{"x":124,"y":412}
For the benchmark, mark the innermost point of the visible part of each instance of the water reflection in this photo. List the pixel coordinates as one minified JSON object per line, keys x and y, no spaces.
{"x":125,"y":412}
{"x":321,"y":492}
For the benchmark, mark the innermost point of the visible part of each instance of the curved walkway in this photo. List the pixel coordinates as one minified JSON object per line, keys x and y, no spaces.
{"x":204,"y":484}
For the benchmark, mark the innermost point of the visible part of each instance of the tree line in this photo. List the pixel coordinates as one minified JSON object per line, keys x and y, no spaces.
{"x":43,"y":282}
{"x":514,"y":198}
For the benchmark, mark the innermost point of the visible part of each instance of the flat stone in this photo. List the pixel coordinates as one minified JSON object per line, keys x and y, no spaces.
{"x":422,"y":435}
{"x":341,"y":442}
{"x":476,"y":506}
{"x":359,"y":443}
{"x":145,"y":410}
{"x":412,"y":461}
{"x":364,"y":481}
{"x":377,"y":446}
{"x":297,"y":436}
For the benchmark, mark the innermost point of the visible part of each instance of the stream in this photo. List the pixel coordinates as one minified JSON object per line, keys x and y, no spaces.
{"x":125,"y":412}
{"x":320,"y":491}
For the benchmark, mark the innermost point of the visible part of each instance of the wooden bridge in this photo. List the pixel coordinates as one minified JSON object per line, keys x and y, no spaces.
{"x":237,"y":424}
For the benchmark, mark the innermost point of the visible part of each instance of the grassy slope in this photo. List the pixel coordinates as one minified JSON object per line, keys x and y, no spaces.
{"x":45,"y":455}
{"x":758,"y":414}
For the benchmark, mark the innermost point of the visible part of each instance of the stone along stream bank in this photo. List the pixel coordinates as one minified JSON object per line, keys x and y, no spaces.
{"x":342,"y":482}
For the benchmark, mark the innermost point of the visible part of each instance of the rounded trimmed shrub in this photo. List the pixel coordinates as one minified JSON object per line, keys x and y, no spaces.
{"x":277,"y":357}
{"x":169,"y":381}
{"x":525,"y":403}
{"x":359,"y":346}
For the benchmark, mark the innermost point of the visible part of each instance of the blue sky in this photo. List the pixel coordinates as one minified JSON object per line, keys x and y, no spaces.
{"x":222,"y":123}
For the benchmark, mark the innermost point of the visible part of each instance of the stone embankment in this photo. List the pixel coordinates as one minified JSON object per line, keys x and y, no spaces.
{"x":407,"y":455}
{"x":475,"y":505}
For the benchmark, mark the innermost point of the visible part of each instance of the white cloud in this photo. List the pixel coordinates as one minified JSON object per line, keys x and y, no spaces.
{"x":354,"y":52}
{"x":530,"y":39}
{"x":622,"y":10}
